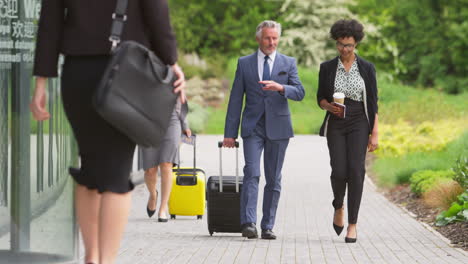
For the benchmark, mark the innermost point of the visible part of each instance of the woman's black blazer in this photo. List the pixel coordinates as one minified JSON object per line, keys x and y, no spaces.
{"x":82,"y":27}
{"x":326,"y":87}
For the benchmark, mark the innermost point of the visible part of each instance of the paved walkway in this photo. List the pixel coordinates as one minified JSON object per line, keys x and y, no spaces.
{"x":386,"y":233}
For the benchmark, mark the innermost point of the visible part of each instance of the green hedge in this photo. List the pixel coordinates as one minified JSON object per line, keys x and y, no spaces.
{"x":423,"y":181}
{"x":398,"y":170}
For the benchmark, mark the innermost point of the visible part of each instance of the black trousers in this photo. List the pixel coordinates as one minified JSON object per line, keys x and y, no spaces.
{"x":347,"y":143}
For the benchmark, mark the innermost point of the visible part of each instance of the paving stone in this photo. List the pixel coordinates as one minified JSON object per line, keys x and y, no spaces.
{"x":386,"y":232}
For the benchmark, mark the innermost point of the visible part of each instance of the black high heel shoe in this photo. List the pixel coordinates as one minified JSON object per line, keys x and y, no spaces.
{"x":351,"y":239}
{"x":151,"y":212}
{"x":338,"y":229}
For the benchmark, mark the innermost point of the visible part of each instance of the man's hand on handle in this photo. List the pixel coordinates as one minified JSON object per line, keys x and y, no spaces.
{"x":229,"y":142}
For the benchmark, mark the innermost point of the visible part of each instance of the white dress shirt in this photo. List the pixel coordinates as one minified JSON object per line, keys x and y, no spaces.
{"x":261,"y":61}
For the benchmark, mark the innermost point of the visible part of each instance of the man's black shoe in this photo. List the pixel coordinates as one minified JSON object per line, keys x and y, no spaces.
{"x":249,"y":230}
{"x":268,"y":234}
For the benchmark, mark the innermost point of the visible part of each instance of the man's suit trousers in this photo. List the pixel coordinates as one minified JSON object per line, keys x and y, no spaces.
{"x":274,"y":153}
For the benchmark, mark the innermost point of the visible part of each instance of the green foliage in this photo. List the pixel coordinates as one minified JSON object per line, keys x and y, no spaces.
{"x":461,"y":171}
{"x":398,"y":102}
{"x":307,"y":35}
{"x":380,"y":48}
{"x":424,"y":180}
{"x":415,"y":120}
{"x":420,"y":42}
{"x":217,"y":116}
{"x":415,"y":127}
{"x":224,"y":27}
{"x":197,"y":117}
{"x":427,"y":38}
{"x":213,"y":66}
{"x":216,"y":120}
{"x":397,"y":170}
{"x":458,"y":212}
{"x":401,"y":138}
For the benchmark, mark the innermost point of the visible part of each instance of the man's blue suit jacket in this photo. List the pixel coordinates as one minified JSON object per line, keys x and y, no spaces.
{"x":258,"y":102}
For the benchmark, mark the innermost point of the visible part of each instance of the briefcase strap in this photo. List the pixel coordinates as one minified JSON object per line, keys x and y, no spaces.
{"x":118,"y":20}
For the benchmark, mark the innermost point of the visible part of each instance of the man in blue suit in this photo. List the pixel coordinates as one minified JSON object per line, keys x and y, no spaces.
{"x":267,"y":79}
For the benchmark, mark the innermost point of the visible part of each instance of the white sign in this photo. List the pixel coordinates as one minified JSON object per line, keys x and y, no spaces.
{"x":17,"y":35}
{"x":32,"y":9}
{"x":8,"y":8}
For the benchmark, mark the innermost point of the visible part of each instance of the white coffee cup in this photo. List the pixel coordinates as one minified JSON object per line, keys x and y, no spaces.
{"x":338,"y":98}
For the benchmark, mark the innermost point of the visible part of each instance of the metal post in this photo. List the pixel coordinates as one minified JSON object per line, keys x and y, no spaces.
{"x":20,"y":160}
{"x":4,"y":125}
{"x":40,"y":157}
{"x":57,"y":133}
{"x":51,"y":133}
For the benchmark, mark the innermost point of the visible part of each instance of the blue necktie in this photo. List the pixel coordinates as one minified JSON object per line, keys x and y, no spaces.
{"x":266,"y":70}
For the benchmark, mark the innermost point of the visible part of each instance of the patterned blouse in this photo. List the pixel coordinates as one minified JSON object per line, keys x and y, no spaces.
{"x":350,"y":83}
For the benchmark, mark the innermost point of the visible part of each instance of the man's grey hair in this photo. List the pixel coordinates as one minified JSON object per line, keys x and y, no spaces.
{"x":268,"y":24}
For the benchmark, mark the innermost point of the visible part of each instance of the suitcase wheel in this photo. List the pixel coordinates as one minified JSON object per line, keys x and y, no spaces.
{"x":172,"y":216}
{"x":211,"y":232}
{"x":199,"y":216}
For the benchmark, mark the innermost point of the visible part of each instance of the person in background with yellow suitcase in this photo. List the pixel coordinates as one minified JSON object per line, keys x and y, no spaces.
{"x":164,"y":157}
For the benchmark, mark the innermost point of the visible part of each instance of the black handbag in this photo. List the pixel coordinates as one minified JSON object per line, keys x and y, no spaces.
{"x":135,"y":94}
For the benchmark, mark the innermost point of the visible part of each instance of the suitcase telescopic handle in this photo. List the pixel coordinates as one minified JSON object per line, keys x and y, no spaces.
{"x":194,"y":158}
{"x":220,"y":146}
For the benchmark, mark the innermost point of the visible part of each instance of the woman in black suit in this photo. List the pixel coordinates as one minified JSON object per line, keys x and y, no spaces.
{"x":348,"y":138}
{"x":80,"y":30}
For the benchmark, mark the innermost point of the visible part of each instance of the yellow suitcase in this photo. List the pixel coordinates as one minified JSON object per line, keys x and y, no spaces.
{"x":188,"y":195}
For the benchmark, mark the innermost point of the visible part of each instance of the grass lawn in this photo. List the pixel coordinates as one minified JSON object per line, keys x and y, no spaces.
{"x":396,"y":170}
{"x":400,"y":102}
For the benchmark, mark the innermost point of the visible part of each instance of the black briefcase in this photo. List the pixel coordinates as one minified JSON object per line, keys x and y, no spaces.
{"x":135,"y":94}
{"x":223,"y":199}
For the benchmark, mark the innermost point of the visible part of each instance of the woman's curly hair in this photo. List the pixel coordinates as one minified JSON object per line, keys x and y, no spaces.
{"x":347,"y":28}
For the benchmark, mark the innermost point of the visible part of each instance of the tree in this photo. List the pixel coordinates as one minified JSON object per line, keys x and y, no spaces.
{"x":307,"y":35}
{"x":225,"y":27}
{"x":429,"y":35}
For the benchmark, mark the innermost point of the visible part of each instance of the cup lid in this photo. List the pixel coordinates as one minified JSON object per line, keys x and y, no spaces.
{"x":338,"y":95}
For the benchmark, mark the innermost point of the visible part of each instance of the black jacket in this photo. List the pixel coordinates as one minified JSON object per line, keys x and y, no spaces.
{"x":326,"y":87}
{"x":82,"y":27}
